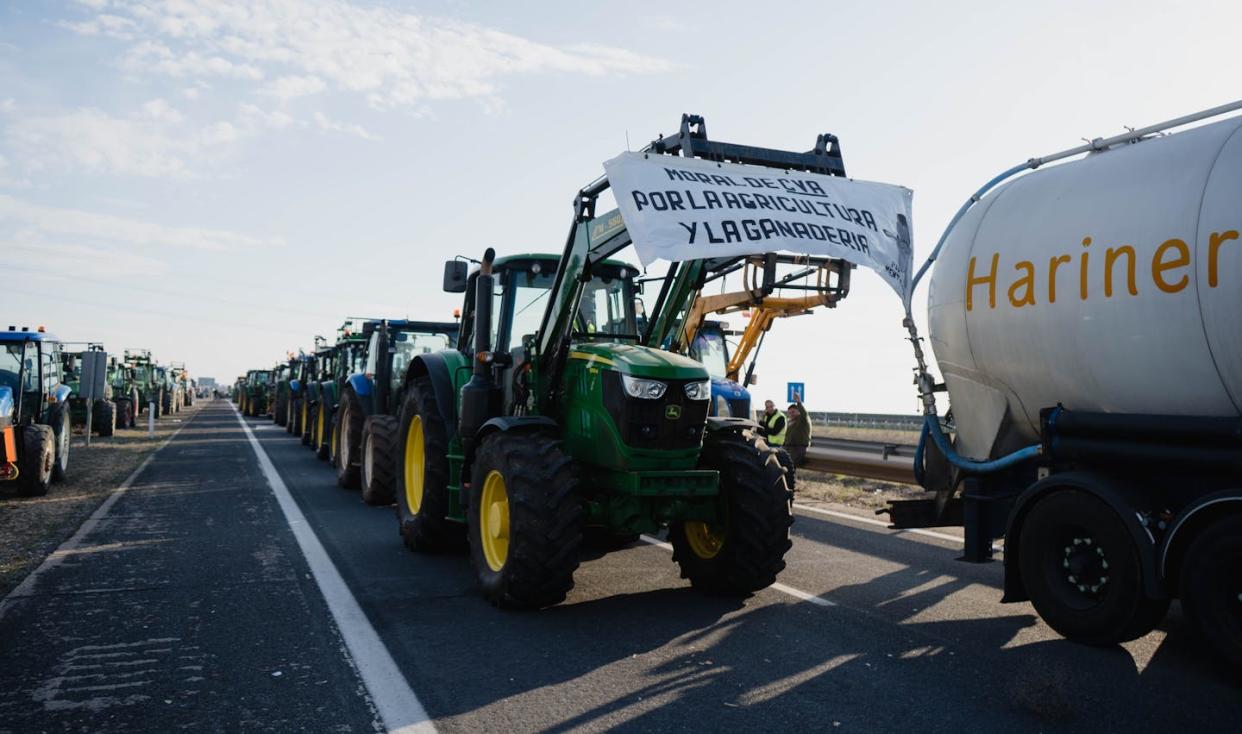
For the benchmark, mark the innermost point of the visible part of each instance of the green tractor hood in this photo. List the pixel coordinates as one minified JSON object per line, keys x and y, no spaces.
{"x":639,"y":361}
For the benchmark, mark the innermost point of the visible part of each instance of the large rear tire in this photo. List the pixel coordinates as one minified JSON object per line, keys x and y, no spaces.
{"x":1082,"y":571}
{"x":349,"y":435}
{"x":323,"y":432}
{"x":304,"y":422}
{"x":295,"y":417}
{"x":1211,"y":587}
{"x":124,"y":416}
{"x":524,"y":520}
{"x":37,"y":460}
{"x":743,"y":553}
{"x":63,"y":430}
{"x":379,"y":439}
{"x":105,"y":417}
{"x":280,"y":412}
{"x":422,"y":471}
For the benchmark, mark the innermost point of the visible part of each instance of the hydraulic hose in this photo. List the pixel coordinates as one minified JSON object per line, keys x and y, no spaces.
{"x":931,"y":425}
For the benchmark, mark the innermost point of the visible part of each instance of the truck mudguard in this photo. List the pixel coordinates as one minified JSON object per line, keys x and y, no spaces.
{"x":1190,"y":520}
{"x":1115,"y":495}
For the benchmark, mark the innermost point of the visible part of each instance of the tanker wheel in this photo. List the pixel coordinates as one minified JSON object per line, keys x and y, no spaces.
{"x":422,"y":493}
{"x":524,"y":520}
{"x":62,"y":428}
{"x":322,"y":432}
{"x":38,"y":458}
{"x":1211,"y":587}
{"x":1082,"y":570}
{"x":304,"y":423}
{"x":379,"y":446}
{"x":744,"y":550}
{"x":349,"y":434}
{"x":105,"y":417}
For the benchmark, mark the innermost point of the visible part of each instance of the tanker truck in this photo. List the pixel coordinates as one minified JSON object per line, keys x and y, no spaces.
{"x":1087,"y":320}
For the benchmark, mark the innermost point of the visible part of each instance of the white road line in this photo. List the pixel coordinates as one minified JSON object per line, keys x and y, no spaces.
{"x":882,"y":524}
{"x":397,"y":703}
{"x":72,"y":546}
{"x":784,"y":589}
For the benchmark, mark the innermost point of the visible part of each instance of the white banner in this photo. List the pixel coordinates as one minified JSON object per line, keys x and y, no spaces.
{"x":689,"y":208}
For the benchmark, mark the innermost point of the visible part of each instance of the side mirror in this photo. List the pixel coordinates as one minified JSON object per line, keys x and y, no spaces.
{"x":455,"y":273}
{"x":752,"y":379}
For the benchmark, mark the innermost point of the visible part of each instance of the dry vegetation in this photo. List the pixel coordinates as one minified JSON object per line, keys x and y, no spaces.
{"x":33,"y":527}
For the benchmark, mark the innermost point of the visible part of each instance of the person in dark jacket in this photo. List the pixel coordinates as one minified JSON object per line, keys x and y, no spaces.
{"x":798,"y":431}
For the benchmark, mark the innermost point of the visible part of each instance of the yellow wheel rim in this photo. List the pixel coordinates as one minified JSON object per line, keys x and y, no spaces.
{"x":705,"y":541}
{"x":319,"y":429}
{"x":415,"y":455}
{"x":494,"y":520}
{"x":335,"y":434}
{"x":305,"y":411}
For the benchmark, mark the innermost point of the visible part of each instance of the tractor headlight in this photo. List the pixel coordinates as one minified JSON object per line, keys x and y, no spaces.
{"x":638,"y":387}
{"x":701,"y":390}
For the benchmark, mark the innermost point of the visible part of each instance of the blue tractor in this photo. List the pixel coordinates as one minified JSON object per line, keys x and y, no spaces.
{"x":710,"y":347}
{"x":34,"y":410}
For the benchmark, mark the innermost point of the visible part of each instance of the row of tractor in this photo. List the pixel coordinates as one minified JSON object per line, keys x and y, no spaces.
{"x":564,"y":407}
{"x":49,"y":386}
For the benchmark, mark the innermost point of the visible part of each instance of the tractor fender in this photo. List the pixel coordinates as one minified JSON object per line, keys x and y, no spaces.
{"x":62,"y":393}
{"x":1193,"y":518}
{"x":436,"y":367}
{"x":717,"y":423}
{"x":505,"y":423}
{"x":6,"y":406}
{"x":363,"y":389}
{"x":1124,"y":501}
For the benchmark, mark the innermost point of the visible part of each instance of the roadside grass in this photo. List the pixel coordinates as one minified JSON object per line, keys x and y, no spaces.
{"x":32,"y":527}
{"x":884,"y":435}
{"x":837,"y":489}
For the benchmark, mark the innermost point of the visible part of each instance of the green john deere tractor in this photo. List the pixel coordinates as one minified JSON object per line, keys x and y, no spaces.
{"x":124,"y":392}
{"x":149,"y":380}
{"x":104,"y":416}
{"x":256,"y":393}
{"x":566,"y":417}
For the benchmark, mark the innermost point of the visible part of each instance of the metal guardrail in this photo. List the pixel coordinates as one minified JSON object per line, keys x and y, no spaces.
{"x":887,"y":462}
{"x":897,"y":421}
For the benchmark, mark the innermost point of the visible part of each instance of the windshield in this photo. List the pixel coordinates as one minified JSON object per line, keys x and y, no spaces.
{"x":605,"y":312}
{"x":710,"y":349}
{"x":140,"y":374}
{"x":11,"y":369}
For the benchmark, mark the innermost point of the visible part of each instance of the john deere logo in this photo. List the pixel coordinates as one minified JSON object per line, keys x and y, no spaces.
{"x":672,"y":412}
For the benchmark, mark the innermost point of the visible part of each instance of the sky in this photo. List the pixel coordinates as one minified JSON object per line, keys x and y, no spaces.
{"x":221,"y":181}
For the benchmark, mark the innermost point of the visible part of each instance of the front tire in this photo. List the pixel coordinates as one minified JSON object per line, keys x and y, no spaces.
{"x":1211,"y":587}
{"x":746,"y":550}
{"x":349,"y":434}
{"x":124,"y":418}
{"x":422,"y":494}
{"x":524,"y":520}
{"x":1082,"y":570}
{"x":379,"y":439}
{"x":37,"y":460}
{"x":323,"y":433}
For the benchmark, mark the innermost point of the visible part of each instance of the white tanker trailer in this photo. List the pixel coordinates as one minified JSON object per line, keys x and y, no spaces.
{"x":1087,"y":318}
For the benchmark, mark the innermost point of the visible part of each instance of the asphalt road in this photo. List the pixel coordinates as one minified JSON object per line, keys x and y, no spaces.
{"x":195,"y":571}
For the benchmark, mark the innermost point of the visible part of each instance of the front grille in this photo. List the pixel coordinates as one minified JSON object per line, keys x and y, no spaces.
{"x":740,"y":409}
{"x":646,"y":423}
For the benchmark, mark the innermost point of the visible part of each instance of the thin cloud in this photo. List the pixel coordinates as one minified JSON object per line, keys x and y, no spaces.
{"x":35,"y":223}
{"x":393,"y":59}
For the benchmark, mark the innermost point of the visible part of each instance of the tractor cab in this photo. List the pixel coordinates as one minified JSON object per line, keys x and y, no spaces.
{"x":34,"y":410}
{"x":710,"y":347}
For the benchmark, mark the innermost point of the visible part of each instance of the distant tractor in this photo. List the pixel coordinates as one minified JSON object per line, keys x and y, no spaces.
{"x":34,"y":411}
{"x":349,"y":355}
{"x":148,"y":380}
{"x":124,"y":392}
{"x":371,"y":398}
{"x":256,"y":393}
{"x":321,"y":397}
{"x":302,"y":372}
{"x":103,"y":413}
{"x":280,"y":405}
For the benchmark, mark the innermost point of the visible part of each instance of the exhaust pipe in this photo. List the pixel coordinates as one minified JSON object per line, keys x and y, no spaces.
{"x":480,"y":398}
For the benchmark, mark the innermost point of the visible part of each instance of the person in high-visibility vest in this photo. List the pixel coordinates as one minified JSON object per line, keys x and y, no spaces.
{"x":772,"y":424}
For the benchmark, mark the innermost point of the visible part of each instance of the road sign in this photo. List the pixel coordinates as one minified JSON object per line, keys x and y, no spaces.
{"x":798,"y":388}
